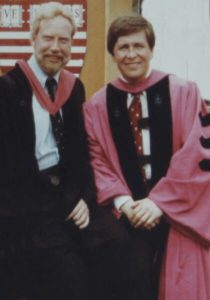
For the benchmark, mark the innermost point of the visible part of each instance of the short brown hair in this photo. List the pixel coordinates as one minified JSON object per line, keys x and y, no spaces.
{"x":126,"y":25}
{"x":50,"y":10}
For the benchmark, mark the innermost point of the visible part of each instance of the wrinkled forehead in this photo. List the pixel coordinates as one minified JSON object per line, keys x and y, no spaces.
{"x":55,"y":25}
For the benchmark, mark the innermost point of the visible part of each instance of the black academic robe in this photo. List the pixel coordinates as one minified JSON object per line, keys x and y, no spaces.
{"x":21,"y":192}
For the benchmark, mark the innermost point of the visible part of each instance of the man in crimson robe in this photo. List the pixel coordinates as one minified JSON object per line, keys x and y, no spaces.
{"x":149,"y":144}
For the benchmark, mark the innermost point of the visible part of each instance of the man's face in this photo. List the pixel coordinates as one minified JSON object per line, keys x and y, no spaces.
{"x":132,"y":55}
{"x":52,"y":44}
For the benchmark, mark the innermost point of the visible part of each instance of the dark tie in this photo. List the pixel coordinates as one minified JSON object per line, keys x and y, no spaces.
{"x":135,"y":116}
{"x":56,"y":120}
{"x":135,"y":113}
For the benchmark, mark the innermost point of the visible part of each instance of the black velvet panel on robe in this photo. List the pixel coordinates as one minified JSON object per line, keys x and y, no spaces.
{"x":160,"y":126}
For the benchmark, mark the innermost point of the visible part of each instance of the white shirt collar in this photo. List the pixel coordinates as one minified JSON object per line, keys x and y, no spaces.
{"x":39,"y":73}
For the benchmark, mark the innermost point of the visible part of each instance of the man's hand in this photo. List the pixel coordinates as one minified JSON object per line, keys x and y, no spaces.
{"x":80,"y":214}
{"x":127,"y":209}
{"x":145,"y":214}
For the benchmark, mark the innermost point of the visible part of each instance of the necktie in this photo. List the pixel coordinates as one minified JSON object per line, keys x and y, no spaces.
{"x":135,"y":115}
{"x":56,"y":120}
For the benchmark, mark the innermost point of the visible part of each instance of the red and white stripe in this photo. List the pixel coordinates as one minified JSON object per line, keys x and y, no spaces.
{"x":16,"y":45}
{"x":15,"y":42}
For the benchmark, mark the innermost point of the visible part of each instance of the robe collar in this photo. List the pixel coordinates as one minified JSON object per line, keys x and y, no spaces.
{"x":138,"y":87}
{"x":65,"y":86}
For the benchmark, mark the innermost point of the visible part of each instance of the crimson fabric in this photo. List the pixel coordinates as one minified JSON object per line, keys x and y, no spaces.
{"x":183,"y":194}
{"x":110,"y":181}
{"x":66,"y":84}
{"x":154,"y":77}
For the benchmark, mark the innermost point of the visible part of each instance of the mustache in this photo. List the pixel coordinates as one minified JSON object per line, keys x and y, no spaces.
{"x":57,"y":56}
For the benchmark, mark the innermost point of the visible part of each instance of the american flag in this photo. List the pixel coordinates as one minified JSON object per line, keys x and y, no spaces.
{"x":15,"y":19}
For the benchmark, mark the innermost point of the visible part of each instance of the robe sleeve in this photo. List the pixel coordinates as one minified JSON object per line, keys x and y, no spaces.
{"x":108,"y":177}
{"x":184,"y":193}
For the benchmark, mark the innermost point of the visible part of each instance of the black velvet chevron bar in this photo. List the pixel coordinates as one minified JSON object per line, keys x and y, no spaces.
{"x":205,"y":120}
{"x":205,"y":164}
{"x":205,"y":142}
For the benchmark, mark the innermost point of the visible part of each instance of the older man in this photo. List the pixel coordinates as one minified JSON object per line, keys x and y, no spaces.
{"x":148,"y":137}
{"x":49,"y":224}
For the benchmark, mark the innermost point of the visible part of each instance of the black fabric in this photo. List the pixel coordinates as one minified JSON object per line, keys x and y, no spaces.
{"x":19,"y":181}
{"x":27,"y":268}
{"x":35,"y":205}
{"x":147,"y":245}
{"x":205,"y":142}
{"x":205,"y":165}
{"x":99,"y":262}
{"x":130,"y":275}
{"x":159,"y":123}
{"x":123,"y":138}
{"x":41,"y":255}
{"x":205,"y":120}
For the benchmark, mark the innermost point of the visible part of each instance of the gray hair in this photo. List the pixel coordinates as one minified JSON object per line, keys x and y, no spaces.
{"x":50,"y":10}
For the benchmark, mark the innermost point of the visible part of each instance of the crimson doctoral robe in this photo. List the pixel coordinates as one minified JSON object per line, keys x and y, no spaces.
{"x":183,"y":193}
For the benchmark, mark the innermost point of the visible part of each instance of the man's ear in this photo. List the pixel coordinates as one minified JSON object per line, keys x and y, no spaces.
{"x":32,"y":40}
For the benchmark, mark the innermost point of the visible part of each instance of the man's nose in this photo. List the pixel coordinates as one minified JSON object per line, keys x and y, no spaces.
{"x":131,"y":52}
{"x":55,"y":45}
